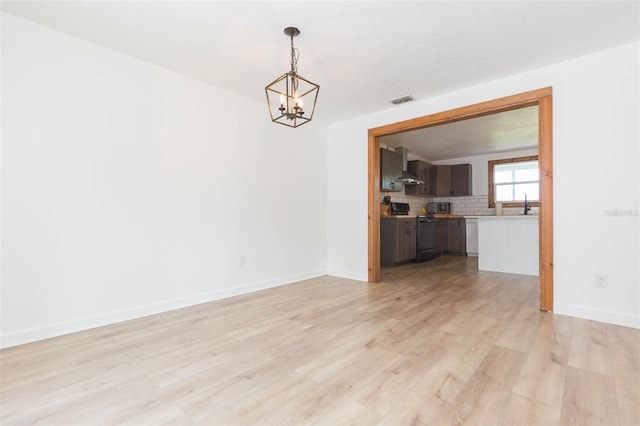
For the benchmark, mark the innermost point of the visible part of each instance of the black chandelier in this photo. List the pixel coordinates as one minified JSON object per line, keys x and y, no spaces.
{"x":289,"y":93}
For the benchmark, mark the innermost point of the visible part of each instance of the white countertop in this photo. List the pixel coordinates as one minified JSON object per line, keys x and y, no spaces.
{"x":520,"y":216}
{"x":452,"y":216}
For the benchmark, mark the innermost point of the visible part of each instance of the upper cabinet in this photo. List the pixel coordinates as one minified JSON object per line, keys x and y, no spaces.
{"x":390,"y":170}
{"x":461,"y":180}
{"x":451,"y":181}
{"x":421,"y":170}
{"x":441,"y":177}
{"x":439,"y":181}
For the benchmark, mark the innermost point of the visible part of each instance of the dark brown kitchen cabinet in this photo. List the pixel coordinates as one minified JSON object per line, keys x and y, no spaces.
{"x":456,"y":236}
{"x":440,"y":234}
{"x":451,"y":181}
{"x":450,"y":236}
{"x":390,"y":170}
{"x":421,"y":170}
{"x":441,"y":181}
{"x":397,"y":240}
{"x":461,"y":180}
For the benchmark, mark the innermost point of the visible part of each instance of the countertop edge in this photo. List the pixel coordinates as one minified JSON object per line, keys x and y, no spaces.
{"x":508,"y":217}
{"x":399,"y":216}
{"x":454,"y":216}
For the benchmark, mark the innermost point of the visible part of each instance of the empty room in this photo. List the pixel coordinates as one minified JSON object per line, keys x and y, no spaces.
{"x":320,"y":212}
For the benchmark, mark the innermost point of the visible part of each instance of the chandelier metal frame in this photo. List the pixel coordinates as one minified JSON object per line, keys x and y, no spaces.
{"x":288,"y":94}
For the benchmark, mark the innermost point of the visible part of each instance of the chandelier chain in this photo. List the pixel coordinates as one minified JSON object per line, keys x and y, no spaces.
{"x":294,"y":57}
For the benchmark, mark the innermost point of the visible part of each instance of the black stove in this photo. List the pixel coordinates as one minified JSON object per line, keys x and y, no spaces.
{"x":425,"y":239}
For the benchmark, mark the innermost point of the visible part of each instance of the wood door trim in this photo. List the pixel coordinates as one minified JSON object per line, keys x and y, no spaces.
{"x":541,"y":97}
{"x":545,"y":163}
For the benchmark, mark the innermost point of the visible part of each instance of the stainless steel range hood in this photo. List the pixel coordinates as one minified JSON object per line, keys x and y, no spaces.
{"x":407,"y":177}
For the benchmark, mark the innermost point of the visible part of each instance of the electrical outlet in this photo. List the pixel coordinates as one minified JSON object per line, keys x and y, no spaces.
{"x":242,"y":261}
{"x":601,"y":280}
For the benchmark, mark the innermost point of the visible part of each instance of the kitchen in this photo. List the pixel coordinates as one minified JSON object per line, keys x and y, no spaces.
{"x":467,"y":188}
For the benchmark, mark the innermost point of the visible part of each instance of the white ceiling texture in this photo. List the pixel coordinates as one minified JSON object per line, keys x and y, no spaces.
{"x":507,"y":131}
{"x":362,"y":53}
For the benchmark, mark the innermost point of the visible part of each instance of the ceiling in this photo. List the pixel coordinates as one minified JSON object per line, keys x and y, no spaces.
{"x":362,"y":53}
{"x":506,"y":131}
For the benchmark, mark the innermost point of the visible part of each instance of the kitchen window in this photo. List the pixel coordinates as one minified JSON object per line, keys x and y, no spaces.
{"x":511,"y":179}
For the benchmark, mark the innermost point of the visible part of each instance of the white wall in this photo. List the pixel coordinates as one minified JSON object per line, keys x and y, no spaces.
{"x":595,"y":152}
{"x":128,"y":189}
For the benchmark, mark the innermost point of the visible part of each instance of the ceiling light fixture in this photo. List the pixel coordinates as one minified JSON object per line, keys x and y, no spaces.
{"x":289,"y":93}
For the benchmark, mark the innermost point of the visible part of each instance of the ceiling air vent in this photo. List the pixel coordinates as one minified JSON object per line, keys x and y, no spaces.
{"x":402,"y":100}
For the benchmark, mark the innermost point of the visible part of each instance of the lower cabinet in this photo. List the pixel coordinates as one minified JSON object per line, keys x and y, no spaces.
{"x":440,"y":236}
{"x":397,"y":240}
{"x":450,"y":236}
{"x":456,"y":237}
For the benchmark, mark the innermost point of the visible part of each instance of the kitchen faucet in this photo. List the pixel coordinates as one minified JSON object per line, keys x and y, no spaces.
{"x":527,"y":207}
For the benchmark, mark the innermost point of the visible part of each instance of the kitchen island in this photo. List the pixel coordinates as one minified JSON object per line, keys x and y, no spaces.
{"x":508,"y":244}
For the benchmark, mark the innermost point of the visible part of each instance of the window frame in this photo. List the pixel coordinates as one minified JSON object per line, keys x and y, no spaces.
{"x":492,"y":164}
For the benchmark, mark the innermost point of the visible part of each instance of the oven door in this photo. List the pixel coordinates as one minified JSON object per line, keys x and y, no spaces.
{"x":426,"y":239}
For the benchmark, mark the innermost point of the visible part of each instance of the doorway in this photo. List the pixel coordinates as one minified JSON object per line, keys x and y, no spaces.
{"x":543,"y":99}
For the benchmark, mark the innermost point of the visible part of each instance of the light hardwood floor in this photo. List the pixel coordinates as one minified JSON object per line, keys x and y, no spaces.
{"x":436,"y":343}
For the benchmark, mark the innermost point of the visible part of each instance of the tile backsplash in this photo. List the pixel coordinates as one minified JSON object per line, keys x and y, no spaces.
{"x":463,"y":206}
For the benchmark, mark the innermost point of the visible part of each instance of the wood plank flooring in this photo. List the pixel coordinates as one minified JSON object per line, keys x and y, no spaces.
{"x":436,"y":343}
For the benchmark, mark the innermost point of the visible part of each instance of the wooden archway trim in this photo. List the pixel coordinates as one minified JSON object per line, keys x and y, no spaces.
{"x":542,"y":98}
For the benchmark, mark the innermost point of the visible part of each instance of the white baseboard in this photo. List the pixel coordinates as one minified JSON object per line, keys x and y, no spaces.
{"x":350,"y":275}
{"x":609,"y":317}
{"x":62,"y":328}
